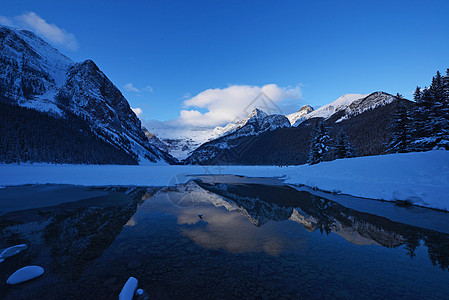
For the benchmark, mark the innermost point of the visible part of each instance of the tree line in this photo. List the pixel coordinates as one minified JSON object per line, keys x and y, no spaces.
{"x":321,"y":145}
{"x":426,"y":126}
{"x":422,"y":126}
{"x":27,"y":135}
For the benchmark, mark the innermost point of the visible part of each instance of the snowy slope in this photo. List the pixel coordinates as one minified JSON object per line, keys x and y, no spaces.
{"x":422,"y":178}
{"x":348,"y":105}
{"x":36,"y":75}
{"x":328,"y":110}
{"x":31,"y":70}
{"x":366,"y":103}
{"x":299,"y":114}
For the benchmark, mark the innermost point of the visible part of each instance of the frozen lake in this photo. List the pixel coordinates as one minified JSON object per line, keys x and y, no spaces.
{"x":220,"y":238}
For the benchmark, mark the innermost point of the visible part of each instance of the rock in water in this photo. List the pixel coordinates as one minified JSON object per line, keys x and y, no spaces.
{"x":128,"y":289}
{"x":25,"y":274}
{"x":12,"y":251}
{"x":139,"y":292}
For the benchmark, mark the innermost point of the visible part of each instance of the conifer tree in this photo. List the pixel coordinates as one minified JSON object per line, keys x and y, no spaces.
{"x":417,"y":94}
{"x":437,"y":87}
{"x":319,"y":146}
{"x":422,"y":128}
{"x":431,"y":116}
{"x":343,"y":148}
{"x":400,"y":131}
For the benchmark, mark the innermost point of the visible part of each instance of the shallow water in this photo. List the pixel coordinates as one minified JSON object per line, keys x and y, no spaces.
{"x":252,"y":241}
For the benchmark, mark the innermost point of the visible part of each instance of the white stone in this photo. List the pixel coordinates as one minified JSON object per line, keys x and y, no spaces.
{"x":25,"y":274}
{"x":128,"y":289}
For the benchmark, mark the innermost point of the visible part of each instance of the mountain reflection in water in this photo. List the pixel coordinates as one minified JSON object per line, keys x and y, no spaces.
{"x":261,"y":204}
{"x":248,"y":243}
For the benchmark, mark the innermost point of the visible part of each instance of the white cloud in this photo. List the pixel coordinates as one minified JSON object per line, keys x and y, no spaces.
{"x":40,"y":26}
{"x":218,"y":107}
{"x":226,"y":105}
{"x":137,"y":110}
{"x":6,"y":21}
{"x":131,"y":88}
{"x":148,"y":89}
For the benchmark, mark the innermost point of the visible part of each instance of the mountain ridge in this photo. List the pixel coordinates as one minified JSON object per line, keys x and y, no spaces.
{"x":36,"y":75}
{"x":233,"y":148}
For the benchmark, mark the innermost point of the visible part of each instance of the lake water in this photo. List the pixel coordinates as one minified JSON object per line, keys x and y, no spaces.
{"x":212,"y":239}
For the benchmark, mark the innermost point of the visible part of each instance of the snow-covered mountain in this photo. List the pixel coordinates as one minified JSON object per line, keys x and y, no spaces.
{"x":299,"y":114}
{"x":371,"y":101}
{"x":348,"y":105}
{"x":256,"y":116}
{"x":242,"y":142}
{"x":253,"y":124}
{"x":181,"y":142}
{"x":154,"y":140}
{"x":328,"y":110}
{"x":33,"y":74}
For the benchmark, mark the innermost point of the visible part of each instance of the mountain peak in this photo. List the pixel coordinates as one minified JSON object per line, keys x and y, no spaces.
{"x":257,"y":111}
{"x":306,"y":107}
{"x":304,"y":110}
{"x":255,"y":116}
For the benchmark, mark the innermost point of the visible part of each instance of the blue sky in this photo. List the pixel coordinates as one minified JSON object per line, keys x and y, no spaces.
{"x":172,"y":51}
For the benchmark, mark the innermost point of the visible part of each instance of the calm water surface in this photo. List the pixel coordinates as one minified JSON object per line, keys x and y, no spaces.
{"x":252,"y":241}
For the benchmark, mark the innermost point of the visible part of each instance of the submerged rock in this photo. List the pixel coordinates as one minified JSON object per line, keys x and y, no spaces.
{"x":12,"y":251}
{"x":25,"y":274}
{"x":128,"y":289}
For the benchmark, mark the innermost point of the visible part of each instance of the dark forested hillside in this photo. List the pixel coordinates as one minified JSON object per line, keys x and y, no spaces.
{"x":367,"y":132}
{"x":28,"y":135}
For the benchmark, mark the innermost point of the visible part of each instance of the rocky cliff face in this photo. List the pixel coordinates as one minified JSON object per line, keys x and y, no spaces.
{"x":36,"y":75}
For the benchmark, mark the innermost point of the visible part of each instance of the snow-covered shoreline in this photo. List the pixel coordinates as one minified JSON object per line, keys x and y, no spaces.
{"x":422,"y":178}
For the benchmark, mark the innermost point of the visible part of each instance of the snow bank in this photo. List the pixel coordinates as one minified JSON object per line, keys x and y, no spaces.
{"x":422,"y":178}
